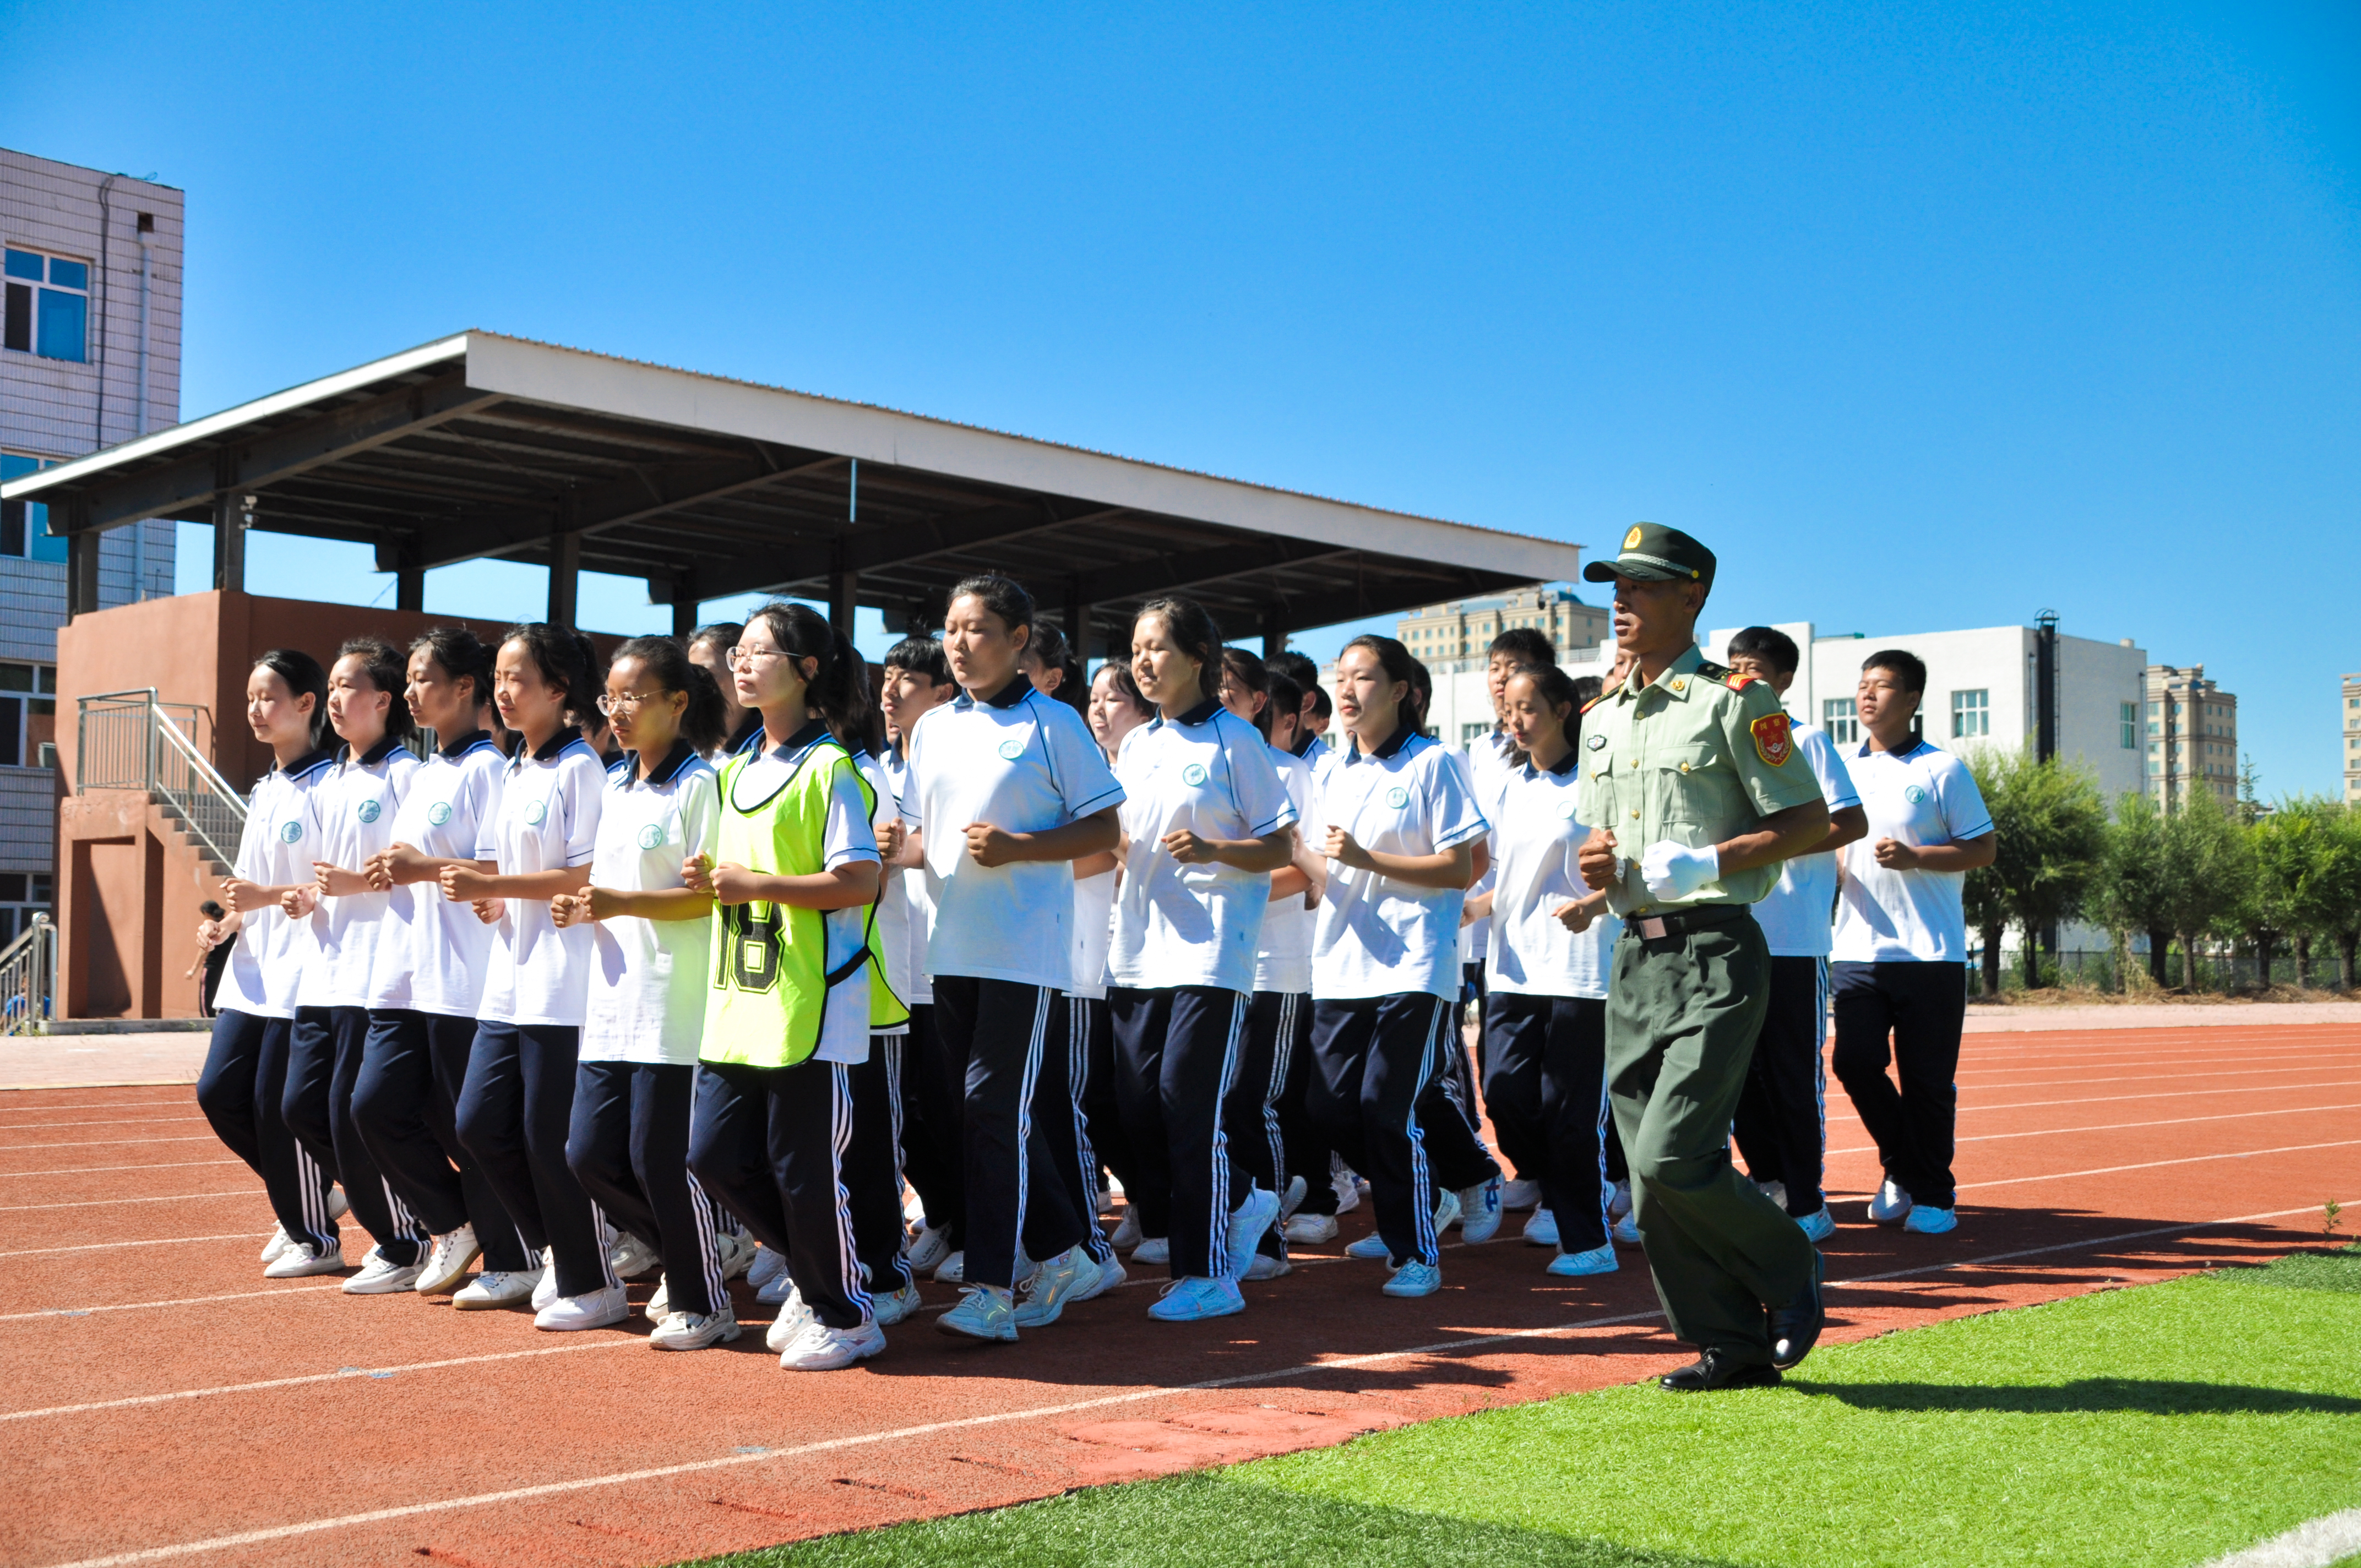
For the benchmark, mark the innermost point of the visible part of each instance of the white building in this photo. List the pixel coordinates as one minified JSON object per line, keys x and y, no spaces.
{"x":90,"y":356}
{"x":1452,"y":633}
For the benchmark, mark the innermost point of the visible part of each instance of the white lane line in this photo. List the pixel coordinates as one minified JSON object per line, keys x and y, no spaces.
{"x":95,"y":1169}
{"x":864,"y":1440}
{"x":82,"y":1105}
{"x":2315,"y":1543}
{"x":2156,"y":1164}
{"x":342,"y":1374}
{"x":105,"y":1143}
{"x":2167,"y":1070}
{"x":2122,"y":1078}
{"x":2127,"y":1126}
{"x":2166,"y":1094}
{"x":111,"y":1202}
{"x":137,"y":1242}
{"x":112,"y":1121}
{"x":182,"y":1301}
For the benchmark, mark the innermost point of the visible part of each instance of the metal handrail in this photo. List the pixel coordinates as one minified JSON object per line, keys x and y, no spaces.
{"x":127,"y":739}
{"x":28,"y":978}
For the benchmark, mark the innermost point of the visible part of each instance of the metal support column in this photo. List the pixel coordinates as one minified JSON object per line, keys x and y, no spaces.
{"x":843,"y":590}
{"x":230,"y":517}
{"x":565,"y":567}
{"x":684,"y":605}
{"x":81,"y":571}
{"x":409,"y":578}
{"x":1274,"y":632}
{"x":1078,"y":622}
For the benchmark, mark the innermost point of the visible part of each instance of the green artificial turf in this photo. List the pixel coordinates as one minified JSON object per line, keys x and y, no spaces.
{"x":2162,"y":1425}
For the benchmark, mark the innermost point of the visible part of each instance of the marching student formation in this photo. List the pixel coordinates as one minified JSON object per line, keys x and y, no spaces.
{"x":737,"y":956}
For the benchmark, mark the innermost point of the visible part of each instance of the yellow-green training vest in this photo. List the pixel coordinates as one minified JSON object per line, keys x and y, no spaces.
{"x":771,"y":986}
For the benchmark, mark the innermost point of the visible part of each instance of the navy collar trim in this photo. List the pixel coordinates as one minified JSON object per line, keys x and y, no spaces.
{"x":309,"y":761}
{"x":557,"y":743}
{"x":1201,"y":714}
{"x":1304,"y":742}
{"x":748,"y":728}
{"x":460,"y":745}
{"x":1019,"y":687}
{"x":1564,"y":764}
{"x":811,"y":734}
{"x":665,"y":771}
{"x":1869,"y":748}
{"x":1394,"y":742}
{"x":386,"y":746}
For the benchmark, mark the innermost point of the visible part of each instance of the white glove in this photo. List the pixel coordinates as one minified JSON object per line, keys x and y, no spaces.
{"x":1672,"y":871}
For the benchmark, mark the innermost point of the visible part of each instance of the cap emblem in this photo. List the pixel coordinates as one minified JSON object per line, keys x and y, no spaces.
{"x":1632,"y":540}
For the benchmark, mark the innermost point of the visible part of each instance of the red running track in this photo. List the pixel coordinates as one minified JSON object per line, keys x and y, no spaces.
{"x":166,"y":1404}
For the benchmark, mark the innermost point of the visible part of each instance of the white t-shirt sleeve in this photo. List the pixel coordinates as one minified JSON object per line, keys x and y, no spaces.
{"x":847,"y":836}
{"x":1085,"y":783}
{"x":1262,"y":797}
{"x":487,"y":814}
{"x":1452,"y":808}
{"x":1836,"y":780}
{"x":1964,"y":814}
{"x":700,"y":815}
{"x":583,"y":791}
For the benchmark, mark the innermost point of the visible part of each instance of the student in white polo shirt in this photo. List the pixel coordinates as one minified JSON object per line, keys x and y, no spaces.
{"x":1898,"y":963}
{"x":1781,"y":1124}
{"x":652,"y":938}
{"x":1206,"y":821}
{"x":1401,"y":846}
{"x":429,"y":983}
{"x":1010,"y":790}
{"x":517,"y":1105}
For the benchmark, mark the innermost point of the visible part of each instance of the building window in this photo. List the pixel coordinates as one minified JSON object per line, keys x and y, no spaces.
{"x":1473,"y":731}
{"x":24,"y":525}
{"x":1971,"y":715}
{"x":48,"y":305}
{"x":1839,"y":717}
{"x":29,"y":714}
{"x":2128,"y":715}
{"x":23,"y":894}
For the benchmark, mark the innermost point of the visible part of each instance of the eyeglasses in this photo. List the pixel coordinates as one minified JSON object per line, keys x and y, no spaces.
{"x":741,"y":654}
{"x":610,"y":706}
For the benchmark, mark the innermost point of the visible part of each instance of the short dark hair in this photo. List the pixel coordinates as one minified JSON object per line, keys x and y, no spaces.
{"x":305,"y":677}
{"x":1528,"y":644}
{"x":388,"y":673}
{"x":1280,"y":695}
{"x":1194,"y":633}
{"x":1003,"y":595}
{"x":1322,"y":705}
{"x":920,"y":656}
{"x":1297,"y":667}
{"x":705,"y":722}
{"x":1770,"y":644}
{"x":462,"y":656}
{"x":567,"y":661}
{"x":1899,"y":661}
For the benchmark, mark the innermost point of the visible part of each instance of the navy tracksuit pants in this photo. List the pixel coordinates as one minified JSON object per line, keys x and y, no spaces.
{"x":993,"y":1032}
{"x":242,"y":1091}
{"x":324,"y":1053}
{"x":406,"y":1104}
{"x":628,"y":1146}
{"x":1177,"y":1055}
{"x":1545,"y":1088}
{"x":769,"y":1143}
{"x":515,"y":1111}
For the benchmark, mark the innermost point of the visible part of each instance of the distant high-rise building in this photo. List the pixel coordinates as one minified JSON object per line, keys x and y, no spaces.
{"x":1443,"y":635}
{"x":2353,"y":740}
{"x":91,"y":356}
{"x":2192,"y":735}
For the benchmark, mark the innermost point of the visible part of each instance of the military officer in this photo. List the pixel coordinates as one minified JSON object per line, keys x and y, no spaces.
{"x":1690,"y":774}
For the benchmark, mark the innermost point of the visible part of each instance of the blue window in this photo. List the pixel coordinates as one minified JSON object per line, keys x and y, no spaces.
{"x":25,"y":264}
{"x":67,"y":274}
{"x":62,"y":324}
{"x":24,"y":525}
{"x":48,"y":311}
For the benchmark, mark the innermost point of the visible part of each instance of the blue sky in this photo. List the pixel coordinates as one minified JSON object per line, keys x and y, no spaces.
{"x":1922,"y":316}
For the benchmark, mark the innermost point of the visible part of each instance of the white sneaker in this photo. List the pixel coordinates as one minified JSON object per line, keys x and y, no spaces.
{"x":380,"y":1276}
{"x":1620,"y":1204}
{"x":1775,"y":1190}
{"x":1111,"y":1275}
{"x":1266,"y":1266}
{"x":776,"y":1289}
{"x":1479,"y":1211}
{"x":1054,"y":1284}
{"x":1446,"y":1211}
{"x":1348,"y":1190}
{"x":338,"y":1205}
{"x":737,"y":1250}
{"x":302,"y":1258}
{"x":894,"y":1305}
{"x":279,"y":1242}
{"x":1414,"y":1278}
{"x":1521,"y":1194}
{"x":659,"y":1305}
{"x":1819,"y":1227}
{"x":1196,"y":1299}
{"x":629,"y":1256}
{"x":793,"y":1319}
{"x":1154,"y":1250}
{"x":696,"y":1331}
{"x":1293,"y":1198}
{"x":495,"y":1288}
{"x":1575,"y":1265}
{"x":982,"y":1313}
{"x":545,"y":1291}
{"x":1542,"y":1229}
{"x":1310,"y":1230}
{"x":1370,"y":1248}
{"x":1127,"y":1233}
{"x":766,"y":1266}
{"x":953,"y":1270}
{"x":1626,"y":1232}
{"x":1892,"y":1202}
{"x":1924,"y":1221}
{"x":592,"y":1309}
{"x":824,"y":1349}
{"x":447,"y":1262}
{"x":929,"y":1248}
{"x":1247,"y":1222}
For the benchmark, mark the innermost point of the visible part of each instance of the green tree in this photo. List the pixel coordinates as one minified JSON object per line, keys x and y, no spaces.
{"x":2049,"y":823}
{"x":2127,"y":894}
{"x":2203,"y":875}
{"x":2313,"y":860}
{"x":1983,"y":896}
{"x":2272,"y":846}
{"x":2335,"y":890}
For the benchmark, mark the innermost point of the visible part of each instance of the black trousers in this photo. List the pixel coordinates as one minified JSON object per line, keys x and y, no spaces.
{"x":997,"y":1031}
{"x":1921,"y":1006}
{"x":242,"y":1091}
{"x":1545,"y":1089}
{"x":516,"y":1110}
{"x":1782,"y":1120}
{"x":405,"y":1103}
{"x":931,"y":1095}
{"x":1376,"y":1059}
{"x":769,"y":1143}
{"x":1278,"y":1029}
{"x":872,"y":1164}
{"x":1177,"y":1051}
{"x":1102,"y":1107}
{"x":628,"y":1146}
{"x":324,"y":1063}
{"x":1306,"y":1145}
{"x":1061,"y":1110}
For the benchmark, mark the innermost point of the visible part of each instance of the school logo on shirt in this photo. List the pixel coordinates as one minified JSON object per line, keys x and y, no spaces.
{"x":369,"y":810}
{"x":1915,"y":796}
{"x":1565,"y":809}
{"x":536,"y":814}
{"x":651,"y":836}
{"x":289,"y":832}
{"x":1397,"y":797}
{"x":1193,"y":774}
{"x":439,"y":812}
{"x":1013,"y":747}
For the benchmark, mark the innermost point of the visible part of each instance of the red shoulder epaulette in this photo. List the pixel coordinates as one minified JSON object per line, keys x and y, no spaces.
{"x":1594,"y":702}
{"x":1737,"y":682}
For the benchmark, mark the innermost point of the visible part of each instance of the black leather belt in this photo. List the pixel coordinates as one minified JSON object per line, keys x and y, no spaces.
{"x":1681,"y":922}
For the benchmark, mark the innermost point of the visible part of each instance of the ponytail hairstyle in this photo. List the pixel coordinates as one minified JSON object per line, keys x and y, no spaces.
{"x":1049,"y":646}
{"x":839,"y":689}
{"x":1422,"y":686}
{"x":1400,"y":665}
{"x":703,"y":723}
{"x":303,"y":675}
{"x":461,"y":655}
{"x":1004,"y":597}
{"x":1252,"y":674}
{"x":387,"y":673}
{"x":1194,"y":633}
{"x":1555,"y":687}
{"x":1280,"y":695}
{"x":567,"y":661}
{"x":865,"y":730}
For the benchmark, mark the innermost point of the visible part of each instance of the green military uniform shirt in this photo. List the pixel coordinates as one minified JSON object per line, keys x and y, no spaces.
{"x":1698,"y":756}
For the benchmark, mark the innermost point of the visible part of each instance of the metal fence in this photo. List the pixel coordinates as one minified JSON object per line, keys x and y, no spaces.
{"x":127,"y":739}
{"x":2225,"y":972}
{"x":28,"y":978}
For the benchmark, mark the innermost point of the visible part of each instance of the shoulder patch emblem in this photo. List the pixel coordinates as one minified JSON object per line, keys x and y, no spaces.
{"x":1772,"y":743}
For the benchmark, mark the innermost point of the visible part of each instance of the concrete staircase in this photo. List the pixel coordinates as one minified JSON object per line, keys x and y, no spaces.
{"x":210,"y":866}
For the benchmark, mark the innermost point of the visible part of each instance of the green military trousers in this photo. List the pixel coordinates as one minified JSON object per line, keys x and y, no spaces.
{"x":1682,"y":1015}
